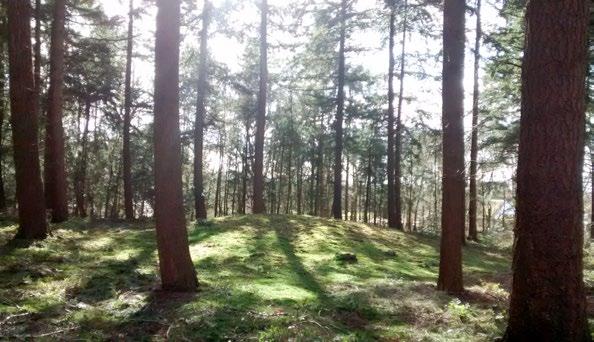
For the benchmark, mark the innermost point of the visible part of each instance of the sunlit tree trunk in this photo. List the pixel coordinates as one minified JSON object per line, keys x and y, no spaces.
{"x":472,"y":209}
{"x":175,"y":263}
{"x":548,"y":298}
{"x":392,"y":215}
{"x":23,"y":103}
{"x":453,"y":191}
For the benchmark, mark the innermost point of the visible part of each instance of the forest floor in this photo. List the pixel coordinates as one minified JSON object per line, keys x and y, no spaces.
{"x":268,"y":278}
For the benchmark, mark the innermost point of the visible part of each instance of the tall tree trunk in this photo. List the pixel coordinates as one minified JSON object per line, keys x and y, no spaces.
{"x":392,"y":215}
{"x":37,"y":51}
{"x":199,"y":198}
{"x":289,"y":181}
{"x":398,"y":140}
{"x":29,"y":188}
{"x":81,"y":170}
{"x":259,"y":207}
{"x":55,"y":169}
{"x":346,"y":190}
{"x":175,"y":263}
{"x":300,"y":186}
{"x":548,"y":300}
{"x":337,"y":201}
{"x":2,"y":118}
{"x":218,"y":206}
{"x":453,"y":191}
{"x":126,"y":154}
{"x":472,"y":209}
{"x":367,"y":190}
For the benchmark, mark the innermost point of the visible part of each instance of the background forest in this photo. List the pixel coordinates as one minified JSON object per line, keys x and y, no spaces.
{"x":326,"y":146}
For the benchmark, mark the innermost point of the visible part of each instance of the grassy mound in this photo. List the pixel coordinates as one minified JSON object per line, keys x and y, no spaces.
{"x":269,"y":278}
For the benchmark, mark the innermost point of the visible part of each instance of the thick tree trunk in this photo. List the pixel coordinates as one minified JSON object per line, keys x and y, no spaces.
{"x":337,"y":201}
{"x":392,"y":215}
{"x":259,"y":207}
{"x":199,"y":198}
{"x":548,"y":300}
{"x":55,"y":169}
{"x":472,"y":205}
{"x":453,"y":191}
{"x":29,"y":188}
{"x":126,"y":154}
{"x":175,"y":263}
{"x":37,"y":51}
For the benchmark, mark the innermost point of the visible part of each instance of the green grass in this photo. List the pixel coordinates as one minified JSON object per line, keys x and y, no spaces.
{"x":268,"y":278}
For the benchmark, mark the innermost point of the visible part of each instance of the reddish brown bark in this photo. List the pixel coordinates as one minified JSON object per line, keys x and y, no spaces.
{"x":453,"y":190}
{"x":258,"y":202}
{"x":2,"y":116}
{"x":55,"y":169}
{"x":126,"y":155}
{"x":175,"y":263}
{"x":29,"y":188}
{"x":548,"y":301}
{"x":339,"y":134}
{"x":199,"y":198}
{"x":472,"y":204}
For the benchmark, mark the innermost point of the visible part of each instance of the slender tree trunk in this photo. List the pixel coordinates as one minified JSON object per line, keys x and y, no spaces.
{"x":175,"y":263}
{"x":399,"y":128}
{"x":392,"y":215}
{"x":81,"y":172}
{"x":2,"y":118}
{"x":367,"y":190}
{"x":37,"y":51}
{"x":55,"y":169}
{"x":126,"y":154}
{"x":278,"y":192}
{"x":300,"y":186}
{"x":346,"y":190}
{"x":199,"y":198}
{"x":453,"y":191}
{"x":29,"y":188}
{"x":218,"y":207}
{"x":548,"y":299}
{"x":337,"y":201}
{"x":289,"y":181}
{"x":472,"y":210}
{"x":259,"y":207}
{"x":244,"y":189}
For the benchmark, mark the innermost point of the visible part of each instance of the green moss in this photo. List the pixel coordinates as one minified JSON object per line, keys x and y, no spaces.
{"x":270,"y":278}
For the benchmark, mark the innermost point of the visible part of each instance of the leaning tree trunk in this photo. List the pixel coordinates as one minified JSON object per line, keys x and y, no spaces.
{"x":258,"y":202}
{"x":175,"y":263}
{"x":199,"y":198}
{"x":392,"y":216}
{"x":548,"y":300}
{"x":126,"y":154}
{"x":399,"y":128}
{"x":472,"y":205}
{"x":55,"y":168}
{"x":452,"y":219}
{"x":29,"y":188}
{"x":337,"y":201}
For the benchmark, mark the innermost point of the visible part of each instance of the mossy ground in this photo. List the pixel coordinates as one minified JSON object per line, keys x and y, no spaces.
{"x":269,"y":278}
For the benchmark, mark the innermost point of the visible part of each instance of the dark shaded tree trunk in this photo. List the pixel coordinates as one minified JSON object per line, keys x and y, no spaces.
{"x":80,"y":177}
{"x":367,"y":191}
{"x":472,"y":205}
{"x":199,"y":197}
{"x":126,"y":154}
{"x":393,"y":221}
{"x":37,"y":51}
{"x":453,"y":182}
{"x":29,"y":188}
{"x":399,"y":128}
{"x":55,"y":169}
{"x":337,"y":200}
{"x":259,"y":207}
{"x":548,"y":299}
{"x":2,"y":118}
{"x":175,"y":263}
